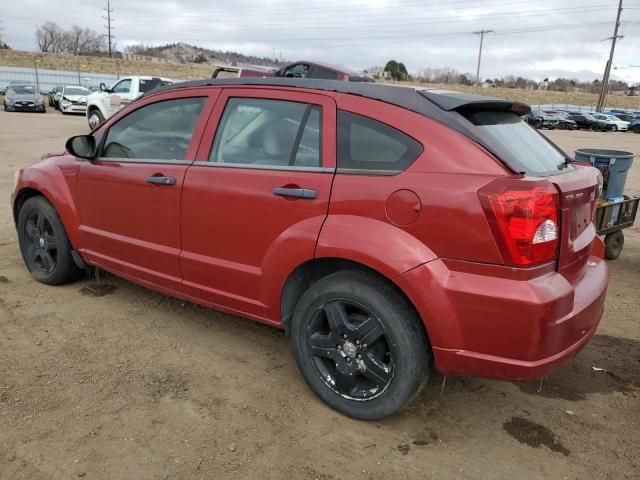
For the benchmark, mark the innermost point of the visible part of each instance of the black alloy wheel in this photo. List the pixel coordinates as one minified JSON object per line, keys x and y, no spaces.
{"x":45,"y":247}
{"x":40,"y":243}
{"x":359,"y":344}
{"x":350,"y":350}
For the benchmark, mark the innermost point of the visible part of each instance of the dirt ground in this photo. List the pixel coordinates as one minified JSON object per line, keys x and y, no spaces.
{"x":123,"y":383}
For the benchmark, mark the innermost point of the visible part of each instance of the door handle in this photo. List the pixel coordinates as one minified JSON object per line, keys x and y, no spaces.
{"x":161,"y":180}
{"x":296,"y":192}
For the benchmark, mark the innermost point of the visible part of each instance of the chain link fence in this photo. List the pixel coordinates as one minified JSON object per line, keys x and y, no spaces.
{"x":45,"y":80}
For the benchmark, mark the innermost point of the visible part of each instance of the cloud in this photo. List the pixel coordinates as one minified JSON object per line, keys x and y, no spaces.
{"x":532,"y":37}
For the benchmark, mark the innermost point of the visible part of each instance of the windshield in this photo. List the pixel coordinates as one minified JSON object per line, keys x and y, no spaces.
{"x":533,"y":151}
{"x":76,"y":91}
{"x":21,"y":90}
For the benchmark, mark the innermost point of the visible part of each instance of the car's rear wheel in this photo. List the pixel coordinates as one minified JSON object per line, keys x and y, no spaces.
{"x":44,"y":244}
{"x":95,"y":119}
{"x":360,"y":345}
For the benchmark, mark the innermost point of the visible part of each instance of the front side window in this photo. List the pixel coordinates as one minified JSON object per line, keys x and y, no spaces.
{"x":366,"y":144}
{"x":160,"y":131}
{"x":123,"y":86}
{"x":264,"y":132}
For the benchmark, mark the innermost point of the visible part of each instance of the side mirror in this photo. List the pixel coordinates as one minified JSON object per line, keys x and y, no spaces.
{"x":82,"y":146}
{"x":103,"y":87}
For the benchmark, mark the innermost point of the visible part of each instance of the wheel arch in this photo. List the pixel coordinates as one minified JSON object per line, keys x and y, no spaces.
{"x":311,"y":271}
{"x":49,"y":183}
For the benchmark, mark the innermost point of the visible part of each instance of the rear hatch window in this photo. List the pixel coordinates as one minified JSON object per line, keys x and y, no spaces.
{"x":532,"y":153}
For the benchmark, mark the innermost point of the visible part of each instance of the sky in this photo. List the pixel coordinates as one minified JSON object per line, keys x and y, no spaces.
{"x":532,"y":38}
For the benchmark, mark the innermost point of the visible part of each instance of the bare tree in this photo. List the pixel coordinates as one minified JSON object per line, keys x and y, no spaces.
{"x":50,"y":37}
{"x":83,"y":41}
{"x":75,"y":41}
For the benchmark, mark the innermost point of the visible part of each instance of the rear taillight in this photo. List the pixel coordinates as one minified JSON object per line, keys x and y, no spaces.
{"x":524,"y":220}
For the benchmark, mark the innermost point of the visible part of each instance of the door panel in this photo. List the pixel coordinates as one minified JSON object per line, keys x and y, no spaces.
{"x":130,"y":207}
{"x":240,"y":233}
{"x":129,"y":224}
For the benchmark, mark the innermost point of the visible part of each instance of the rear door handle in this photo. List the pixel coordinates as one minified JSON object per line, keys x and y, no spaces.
{"x":162,"y":180}
{"x":296,"y":192}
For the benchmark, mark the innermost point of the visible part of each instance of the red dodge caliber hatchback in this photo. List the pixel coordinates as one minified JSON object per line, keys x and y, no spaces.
{"x":388,"y":230}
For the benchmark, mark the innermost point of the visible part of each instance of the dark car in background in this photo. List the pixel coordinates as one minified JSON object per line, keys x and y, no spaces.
{"x":564,"y":121}
{"x":54,"y":96}
{"x":23,"y":97}
{"x":587,"y":121}
{"x":300,"y":69}
{"x":634,"y":125}
{"x":540,"y":119}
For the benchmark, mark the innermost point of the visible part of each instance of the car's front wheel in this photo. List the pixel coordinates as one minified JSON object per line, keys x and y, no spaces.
{"x":44,"y":244}
{"x":593,"y":127}
{"x":360,"y":345}
{"x":614,"y":128}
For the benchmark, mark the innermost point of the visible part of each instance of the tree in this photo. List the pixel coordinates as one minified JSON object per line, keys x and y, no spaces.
{"x":396,"y":70}
{"x":4,"y":46}
{"x":201,"y":58}
{"x":50,"y":37}
{"x":75,"y":41}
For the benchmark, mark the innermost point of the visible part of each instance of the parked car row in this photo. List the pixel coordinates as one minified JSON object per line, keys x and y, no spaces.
{"x":611,"y":121}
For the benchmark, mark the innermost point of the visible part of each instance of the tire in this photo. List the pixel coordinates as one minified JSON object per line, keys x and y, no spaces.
{"x":614,"y":128}
{"x":350,"y":374}
{"x":96,"y":117}
{"x":613,"y":244}
{"x":44,"y":244}
{"x":593,"y":127}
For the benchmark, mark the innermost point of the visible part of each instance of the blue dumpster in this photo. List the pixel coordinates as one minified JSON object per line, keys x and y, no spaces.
{"x":614,"y":165}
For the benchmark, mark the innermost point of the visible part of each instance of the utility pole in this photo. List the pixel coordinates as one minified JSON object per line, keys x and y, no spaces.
{"x":481,"y":33}
{"x":108,"y":26}
{"x":1,"y":30}
{"x":607,"y":70}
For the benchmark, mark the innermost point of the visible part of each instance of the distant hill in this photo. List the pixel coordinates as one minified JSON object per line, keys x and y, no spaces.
{"x":185,"y":53}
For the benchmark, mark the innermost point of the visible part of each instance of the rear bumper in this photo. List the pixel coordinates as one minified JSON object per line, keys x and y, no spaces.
{"x":510,"y":328}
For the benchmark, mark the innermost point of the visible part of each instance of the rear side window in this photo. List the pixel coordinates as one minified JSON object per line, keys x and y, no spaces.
{"x":533,"y":151}
{"x":366,"y":144}
{"x":324,"y":74}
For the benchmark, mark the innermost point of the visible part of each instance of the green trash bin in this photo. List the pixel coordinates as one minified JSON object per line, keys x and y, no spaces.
{"x":614,"y":165}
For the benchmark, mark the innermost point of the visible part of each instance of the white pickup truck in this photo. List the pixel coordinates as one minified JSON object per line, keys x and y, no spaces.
{"x":101,"y":105}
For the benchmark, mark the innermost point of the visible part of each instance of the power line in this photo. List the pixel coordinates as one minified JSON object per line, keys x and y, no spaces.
{"x":607,"y":68}
{"x":109,"y":11}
